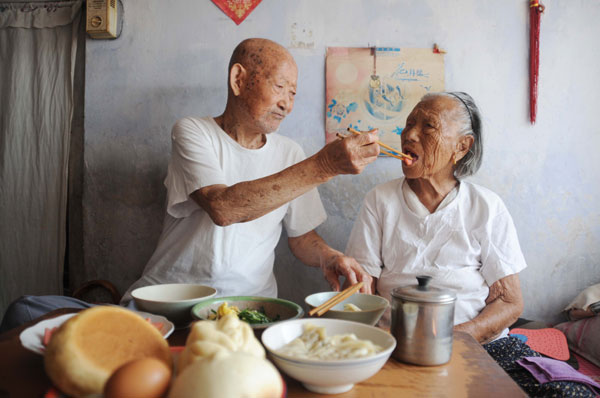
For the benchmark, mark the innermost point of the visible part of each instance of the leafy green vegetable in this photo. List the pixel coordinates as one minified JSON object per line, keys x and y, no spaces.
{"x":256,"y":316}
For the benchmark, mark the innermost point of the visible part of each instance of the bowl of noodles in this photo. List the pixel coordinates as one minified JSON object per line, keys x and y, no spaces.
{"x":328,"y":356}
{"x":258,"y":312}
{"x":364,"y":308}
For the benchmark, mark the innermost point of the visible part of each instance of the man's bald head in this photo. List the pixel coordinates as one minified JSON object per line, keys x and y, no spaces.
{"x":258,"y":55}
{"x":261,"y":86}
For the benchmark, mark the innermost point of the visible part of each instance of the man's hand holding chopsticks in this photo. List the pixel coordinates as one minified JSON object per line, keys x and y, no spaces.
{"x":349,"y":155}
{"x":350,"y":269}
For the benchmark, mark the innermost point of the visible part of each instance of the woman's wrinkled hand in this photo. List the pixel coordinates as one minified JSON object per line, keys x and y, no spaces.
{"x":350,"y":269}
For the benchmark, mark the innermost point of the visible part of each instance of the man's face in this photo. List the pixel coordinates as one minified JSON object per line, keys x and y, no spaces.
{"x":269,"y":94}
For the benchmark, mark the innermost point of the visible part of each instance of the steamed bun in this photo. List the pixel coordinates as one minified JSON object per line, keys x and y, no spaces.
{"x":231,"y":375}
{"x":208,"y":339}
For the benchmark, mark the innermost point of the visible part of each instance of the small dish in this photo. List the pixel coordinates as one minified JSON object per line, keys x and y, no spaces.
{"x":371,"y":307}
{"x":32,"y":337}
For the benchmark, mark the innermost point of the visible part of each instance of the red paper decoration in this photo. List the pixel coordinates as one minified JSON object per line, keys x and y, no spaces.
{"x":237,"y":10}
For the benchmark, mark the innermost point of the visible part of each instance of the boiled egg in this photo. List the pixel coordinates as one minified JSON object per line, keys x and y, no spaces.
{"x":140,"y":378}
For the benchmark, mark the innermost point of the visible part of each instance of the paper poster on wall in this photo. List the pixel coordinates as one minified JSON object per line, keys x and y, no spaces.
{"x":369,"y":88}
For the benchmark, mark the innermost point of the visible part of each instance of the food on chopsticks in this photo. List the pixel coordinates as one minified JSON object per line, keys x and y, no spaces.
{"x":392,"y":151}
{"x":223,"y":358}
{"x":349,"y":307}
{"x":246,"y":315}
{"x":392,"y":154}
{"x":314,"y":343}
{"x":413,"y":158}
{"x":85,"y":350}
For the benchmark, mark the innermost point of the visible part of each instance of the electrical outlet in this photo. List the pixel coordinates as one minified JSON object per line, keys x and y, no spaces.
{"x":101,"y":19}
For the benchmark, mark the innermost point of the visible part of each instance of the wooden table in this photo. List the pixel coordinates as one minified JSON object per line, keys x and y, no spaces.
{"x":470,"y":373}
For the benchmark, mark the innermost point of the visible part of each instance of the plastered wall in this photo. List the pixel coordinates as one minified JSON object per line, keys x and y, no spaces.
{"x":171,"y":60}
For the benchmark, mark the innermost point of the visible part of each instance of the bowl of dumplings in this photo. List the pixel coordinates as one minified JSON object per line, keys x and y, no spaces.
{"x":360,"y":307}
{"x":328,"y":356}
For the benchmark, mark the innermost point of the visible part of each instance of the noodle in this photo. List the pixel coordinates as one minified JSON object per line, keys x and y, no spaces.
{"x":314,"y":343}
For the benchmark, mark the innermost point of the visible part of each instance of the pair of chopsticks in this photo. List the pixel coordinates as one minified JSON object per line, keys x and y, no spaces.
{"x":335,"y":300}
{"x":392,"y":154}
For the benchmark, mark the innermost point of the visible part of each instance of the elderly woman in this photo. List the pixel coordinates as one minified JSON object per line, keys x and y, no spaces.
{"x":431,"y":222}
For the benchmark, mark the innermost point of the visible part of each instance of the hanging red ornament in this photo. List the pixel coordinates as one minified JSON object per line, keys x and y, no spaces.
{"x":237,"y":10}
{"x":535,"y":11}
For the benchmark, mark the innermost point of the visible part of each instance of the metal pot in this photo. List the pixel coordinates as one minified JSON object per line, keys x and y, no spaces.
{"x":422,"y":323}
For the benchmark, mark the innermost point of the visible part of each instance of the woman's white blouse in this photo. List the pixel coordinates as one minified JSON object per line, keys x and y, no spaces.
{"x":466,"y":245}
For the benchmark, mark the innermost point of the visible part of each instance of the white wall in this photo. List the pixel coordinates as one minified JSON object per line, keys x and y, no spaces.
{"x":171,"y":59}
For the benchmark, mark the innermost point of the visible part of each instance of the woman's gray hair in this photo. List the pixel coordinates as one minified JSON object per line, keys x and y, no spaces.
{"x":470,"y":120}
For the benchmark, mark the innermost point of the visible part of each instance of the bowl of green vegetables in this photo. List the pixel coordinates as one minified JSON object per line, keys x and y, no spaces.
{"x":258,"y":312}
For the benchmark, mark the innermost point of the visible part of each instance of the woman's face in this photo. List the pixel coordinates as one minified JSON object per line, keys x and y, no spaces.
{"x":431,"y":138}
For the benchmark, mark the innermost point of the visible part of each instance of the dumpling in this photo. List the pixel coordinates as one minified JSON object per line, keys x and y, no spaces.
{"x":232,"y":375}
{"x":209,"y":338}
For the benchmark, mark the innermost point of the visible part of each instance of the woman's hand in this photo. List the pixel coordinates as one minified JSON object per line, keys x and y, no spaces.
{"x":504,"y":304}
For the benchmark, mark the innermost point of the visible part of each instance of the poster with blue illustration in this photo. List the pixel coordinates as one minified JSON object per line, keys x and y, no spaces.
{"x":369,"y":88}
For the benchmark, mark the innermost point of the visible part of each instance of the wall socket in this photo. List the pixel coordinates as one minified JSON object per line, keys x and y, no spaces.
{"x":101,"y":19}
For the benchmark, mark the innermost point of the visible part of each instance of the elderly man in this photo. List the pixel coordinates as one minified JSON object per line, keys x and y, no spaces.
{"x":231,"y":185}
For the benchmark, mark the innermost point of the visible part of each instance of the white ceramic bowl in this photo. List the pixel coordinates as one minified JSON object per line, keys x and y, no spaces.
{"x":372,"y":307}
{"x":173,"y":300}
{"x":327,"y":377}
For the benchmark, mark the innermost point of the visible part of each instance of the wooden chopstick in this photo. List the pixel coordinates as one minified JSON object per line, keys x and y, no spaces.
{"x":350,"y":129}
{"x":338,"y":298}
{"x":392,"y":154}
{"x":343,"y":295}
{"x":381,"y":150}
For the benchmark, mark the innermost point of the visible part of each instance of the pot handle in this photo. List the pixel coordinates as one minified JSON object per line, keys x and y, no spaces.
{"x":423,"y":281}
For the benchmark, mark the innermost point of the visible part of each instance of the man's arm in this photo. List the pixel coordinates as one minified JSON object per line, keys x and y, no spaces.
{"x":248,"y":200}
{"x":503,"y":307}
{"x":312,"y":250}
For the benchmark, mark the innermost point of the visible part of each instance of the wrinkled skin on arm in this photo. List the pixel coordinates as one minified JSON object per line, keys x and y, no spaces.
{"x":504,"y":305}
{"x":312,"y":250}
{"x":248,"y":200}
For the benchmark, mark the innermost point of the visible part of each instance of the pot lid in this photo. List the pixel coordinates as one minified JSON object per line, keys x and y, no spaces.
{"x":423,"y":292}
